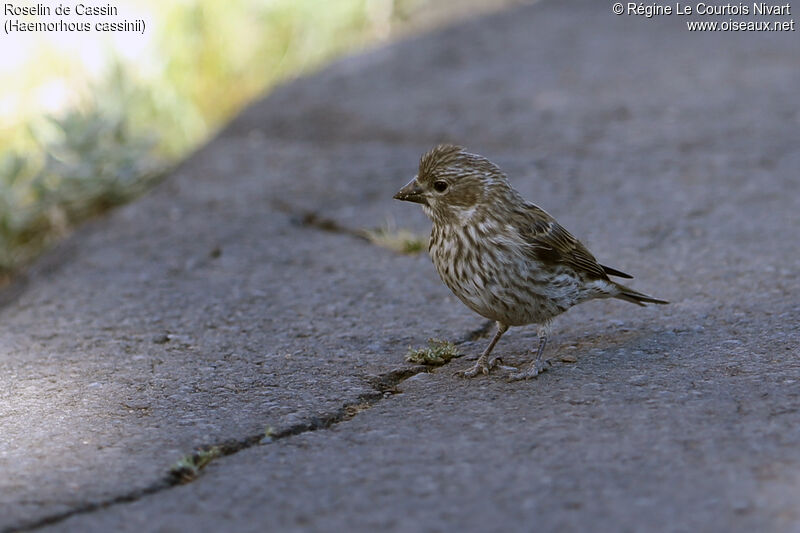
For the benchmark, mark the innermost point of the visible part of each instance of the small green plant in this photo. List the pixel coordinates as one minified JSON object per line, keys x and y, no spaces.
{"x":269,"y":435}
{"x":189,"y":466}
{"x":399,"y":240}
{"x":437,"y":353}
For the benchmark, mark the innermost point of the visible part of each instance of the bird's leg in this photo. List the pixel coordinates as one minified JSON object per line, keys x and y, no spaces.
{"x":484,"y":364}
{"x":538,"y":365}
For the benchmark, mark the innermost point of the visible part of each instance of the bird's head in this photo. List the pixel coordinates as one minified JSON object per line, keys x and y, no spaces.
{"x":453,"y":185}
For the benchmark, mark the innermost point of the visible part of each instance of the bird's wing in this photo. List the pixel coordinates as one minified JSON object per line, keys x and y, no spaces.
{"x":547,"y":241}
{"x":614,"y":272}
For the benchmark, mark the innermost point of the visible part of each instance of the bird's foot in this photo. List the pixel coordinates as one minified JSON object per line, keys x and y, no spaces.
{"x":484,"y":365}
{"x":497,"y":362}
{"x":480,"y":366}
{"x":534,"y":369}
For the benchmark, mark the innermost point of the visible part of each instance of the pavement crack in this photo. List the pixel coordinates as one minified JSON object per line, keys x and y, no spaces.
{"x":190,"y":467}
{"x":388,"y":236}
{"x":91,"y":507}
{"x":312,"y":219}
{"x":383,"y":386}
{"x":388,"y":381}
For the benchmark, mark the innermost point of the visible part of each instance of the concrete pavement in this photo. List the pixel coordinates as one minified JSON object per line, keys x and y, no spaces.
{"x":212,"y":313}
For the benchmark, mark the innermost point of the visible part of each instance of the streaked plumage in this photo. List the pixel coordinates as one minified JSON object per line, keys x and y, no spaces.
{"x":505,"y":258}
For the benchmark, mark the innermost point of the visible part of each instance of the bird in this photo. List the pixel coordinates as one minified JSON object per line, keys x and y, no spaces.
{"x":505,"y":258}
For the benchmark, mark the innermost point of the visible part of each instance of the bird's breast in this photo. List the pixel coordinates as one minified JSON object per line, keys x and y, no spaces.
{"x":493,"y":276}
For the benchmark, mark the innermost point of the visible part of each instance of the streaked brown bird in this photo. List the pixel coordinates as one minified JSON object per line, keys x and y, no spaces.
{"x":505,"y":258}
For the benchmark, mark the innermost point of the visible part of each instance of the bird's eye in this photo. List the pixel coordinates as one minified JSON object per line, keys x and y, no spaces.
{"x":439,"y":186}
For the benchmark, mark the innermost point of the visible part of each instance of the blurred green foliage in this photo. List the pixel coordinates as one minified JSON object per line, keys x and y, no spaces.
{"x":87,"y":162}
{"x":206,"y":59}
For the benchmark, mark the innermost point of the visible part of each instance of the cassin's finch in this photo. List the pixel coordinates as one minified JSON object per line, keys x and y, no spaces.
{"x":505,"y":258}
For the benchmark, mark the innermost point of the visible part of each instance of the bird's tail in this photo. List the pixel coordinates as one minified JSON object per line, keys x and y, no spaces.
{"x":638,"y":298}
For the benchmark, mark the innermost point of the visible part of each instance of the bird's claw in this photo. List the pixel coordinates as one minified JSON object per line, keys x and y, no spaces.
{"x":536,"y":367}
{"x":480,"y":366}
{"x":483,"y":367}
{"x":473,"y":371}
{"x":497,"y":362}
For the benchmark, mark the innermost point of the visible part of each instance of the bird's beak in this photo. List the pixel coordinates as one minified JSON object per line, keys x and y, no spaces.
{"x":412,"y":192}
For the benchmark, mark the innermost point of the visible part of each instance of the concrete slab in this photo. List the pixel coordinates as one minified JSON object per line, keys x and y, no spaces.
{"x":205,"y":313}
